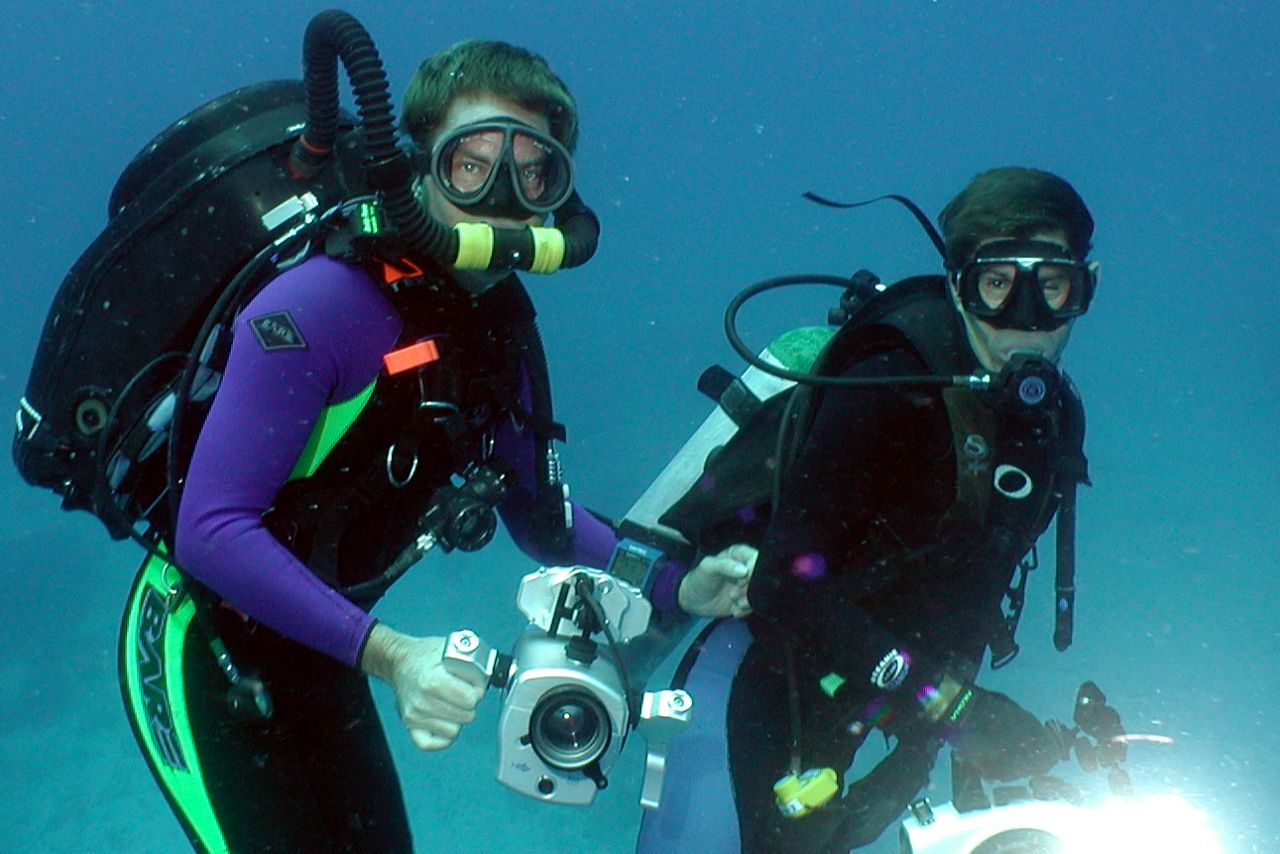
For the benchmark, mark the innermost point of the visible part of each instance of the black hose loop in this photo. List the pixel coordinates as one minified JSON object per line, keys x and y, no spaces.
{"x":749,"y":356}
{"x":330,"y":35}
{"x":581,"y":230}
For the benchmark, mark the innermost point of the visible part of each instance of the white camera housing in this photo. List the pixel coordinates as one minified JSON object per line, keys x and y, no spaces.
{"x":565,"y":710}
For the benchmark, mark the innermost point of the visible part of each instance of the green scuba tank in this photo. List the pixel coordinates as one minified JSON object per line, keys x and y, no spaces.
{"x":749,"y":411}
{"x":696,"y":503}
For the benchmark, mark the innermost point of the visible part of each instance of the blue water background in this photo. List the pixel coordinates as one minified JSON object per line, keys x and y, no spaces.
{"x":702,"y":124}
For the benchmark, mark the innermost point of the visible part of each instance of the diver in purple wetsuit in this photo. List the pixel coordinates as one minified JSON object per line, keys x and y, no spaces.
{"x":362,"y":407}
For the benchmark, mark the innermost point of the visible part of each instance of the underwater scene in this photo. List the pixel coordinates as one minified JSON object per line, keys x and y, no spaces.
{"x":701,"y":128}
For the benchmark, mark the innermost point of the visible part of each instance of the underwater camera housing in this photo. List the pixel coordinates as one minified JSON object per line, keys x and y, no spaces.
{"x":1165,"y":823}
{"x":567,"y":701}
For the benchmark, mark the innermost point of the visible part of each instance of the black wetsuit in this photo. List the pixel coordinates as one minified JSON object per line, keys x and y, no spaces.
{"x":875,"y":573}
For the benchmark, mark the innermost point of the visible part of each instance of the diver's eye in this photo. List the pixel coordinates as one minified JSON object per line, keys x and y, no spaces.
{"x":468,"y":173}
{"x":994,"y":283}
{"x":1055,"y":284}
{"x":533,"y":179}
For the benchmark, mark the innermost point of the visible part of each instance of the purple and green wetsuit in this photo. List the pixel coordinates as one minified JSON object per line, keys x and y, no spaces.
{"x":317,"y":774}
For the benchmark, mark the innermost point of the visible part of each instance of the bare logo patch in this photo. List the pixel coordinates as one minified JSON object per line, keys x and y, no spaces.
{"x":277,"y":331}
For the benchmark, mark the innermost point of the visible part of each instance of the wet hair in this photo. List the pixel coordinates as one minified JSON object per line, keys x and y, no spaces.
{"x":1014,"y":201}
{"x":478,"y":67}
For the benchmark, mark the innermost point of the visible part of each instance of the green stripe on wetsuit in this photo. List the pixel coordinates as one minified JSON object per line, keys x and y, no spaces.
{"x":331,"y":426}
{"x":158,"y":625}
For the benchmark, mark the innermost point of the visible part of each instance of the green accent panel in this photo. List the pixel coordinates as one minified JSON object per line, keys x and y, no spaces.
{"x":166,"y":635}
{"x":330,"y":427}
{"x":831,"y":683}
{"x":370,"y":219}
{"x":798,"y":349}
{"x":957,"y":711}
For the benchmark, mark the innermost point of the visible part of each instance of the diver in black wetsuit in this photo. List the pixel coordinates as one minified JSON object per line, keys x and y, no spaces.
{"x":900,"y":526}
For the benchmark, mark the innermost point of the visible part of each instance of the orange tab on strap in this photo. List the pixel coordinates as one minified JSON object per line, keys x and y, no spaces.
{"x":402,"y":269}
{"x":413,"y":356}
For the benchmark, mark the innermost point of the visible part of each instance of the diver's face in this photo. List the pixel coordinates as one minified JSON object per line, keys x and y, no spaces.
{"x":468,"y":110}
{"x":994,"y":346}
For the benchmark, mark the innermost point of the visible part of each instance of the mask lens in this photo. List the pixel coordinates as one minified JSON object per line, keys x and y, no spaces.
{"x":541,"y":169}
{"x":993,"y":283}
{"x":1062,"y":285}
{"x":468,"y":162}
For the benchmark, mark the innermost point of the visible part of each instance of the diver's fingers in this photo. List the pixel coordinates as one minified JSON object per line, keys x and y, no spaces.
{"x":727,"y":567}
{"x":743,"y":554}
{"x":436,"y":737}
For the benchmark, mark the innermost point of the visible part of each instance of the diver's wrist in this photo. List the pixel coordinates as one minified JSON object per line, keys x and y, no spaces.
{"x":384,"y":650}
{"x":944,"y":696}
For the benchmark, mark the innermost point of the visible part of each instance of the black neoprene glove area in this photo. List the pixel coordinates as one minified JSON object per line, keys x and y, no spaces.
{"x":877,"y":800}
{"x":1003,"y":740}
{"x":871,"y":804}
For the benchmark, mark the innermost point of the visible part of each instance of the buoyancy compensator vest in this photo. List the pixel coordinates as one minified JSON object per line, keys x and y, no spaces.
{"x":1017,"y":446}
{"x":1016,"y":463}
{"x":351,"y":513}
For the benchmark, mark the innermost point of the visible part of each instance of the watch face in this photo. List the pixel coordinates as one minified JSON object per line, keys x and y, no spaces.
{"x":629,"y":567}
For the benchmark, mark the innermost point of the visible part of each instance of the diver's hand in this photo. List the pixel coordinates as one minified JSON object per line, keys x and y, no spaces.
{"x":1003,"y":740}
{"x":434,"y":701}
{"x":874,"y":802}
{"x":717,"y":586}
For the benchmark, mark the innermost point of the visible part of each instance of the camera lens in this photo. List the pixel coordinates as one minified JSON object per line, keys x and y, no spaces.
{"x":569,"y":729}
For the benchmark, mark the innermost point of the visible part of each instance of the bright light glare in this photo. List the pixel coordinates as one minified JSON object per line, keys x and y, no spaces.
{"x":1164,"y":823}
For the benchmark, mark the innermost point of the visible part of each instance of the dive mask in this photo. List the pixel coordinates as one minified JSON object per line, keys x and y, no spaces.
{"x":502,"y":167}
{"x":1025,"y":284}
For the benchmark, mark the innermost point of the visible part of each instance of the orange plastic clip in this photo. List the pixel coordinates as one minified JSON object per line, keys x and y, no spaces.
{"x":391,"y":273}
{"x":413,"y":356}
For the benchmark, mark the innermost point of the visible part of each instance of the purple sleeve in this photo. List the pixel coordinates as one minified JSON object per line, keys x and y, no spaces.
{"x":334,"y":328}
{"x":666,"y":587}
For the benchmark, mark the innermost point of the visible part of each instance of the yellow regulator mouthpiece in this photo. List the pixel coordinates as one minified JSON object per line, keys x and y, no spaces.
{"x":475,"y":245}
{"x":548,"y":249}
{"x":798,"y":795}
{"x":538,"y":249}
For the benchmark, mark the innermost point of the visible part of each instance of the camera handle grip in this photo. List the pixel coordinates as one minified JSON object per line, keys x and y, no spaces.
{"x":465,"y":653}
{"x":663,"y":715}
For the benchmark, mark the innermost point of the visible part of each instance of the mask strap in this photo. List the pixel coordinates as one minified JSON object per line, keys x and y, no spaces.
{"x":920,"y":215}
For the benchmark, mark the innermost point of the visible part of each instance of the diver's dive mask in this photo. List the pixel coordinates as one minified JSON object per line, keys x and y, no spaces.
{"x":502,"y":167}
{"x":1025,"y":284}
